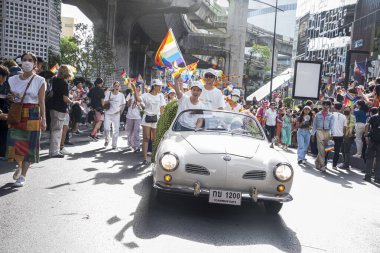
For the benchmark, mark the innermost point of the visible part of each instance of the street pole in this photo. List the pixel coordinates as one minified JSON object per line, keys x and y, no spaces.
{"x":273,"y":48}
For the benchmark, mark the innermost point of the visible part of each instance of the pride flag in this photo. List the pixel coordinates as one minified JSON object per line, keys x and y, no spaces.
{"x":54,"y":69}
{"x":168,"y":54}
{"x":123,"y":73}
{"x":359,"y":70}
{"x":350,"y":99}
{"x":170,"y":86}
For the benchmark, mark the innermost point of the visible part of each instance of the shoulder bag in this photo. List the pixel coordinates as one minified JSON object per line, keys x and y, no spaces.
{"x":15,"y":111}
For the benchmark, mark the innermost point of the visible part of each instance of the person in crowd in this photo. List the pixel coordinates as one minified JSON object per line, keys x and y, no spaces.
{"x":96,"y":96}
{"x":260,"y":114}
{"x":170,"y":96}
{"x":134,"y":120}
{"x":322,"y":125}
{"x":4,"y":73}
{"x":23,"y":141}
{"x":59,"y":110}
{"x":348,"y":138}
{"x":78,"y":94}
{"x":117,"y":103}
{"x":211,"y":96}
{"x":233,"y":104}
{"x":153,"y":104}
{"x":313,"y":145}
{"x":270,"y":122}
{"x":337,"y":131}
{"x":286,"y":129}
{"x":280,"y":114}
{"x":304,"y":125}
{"x":40,"y":65}
{"x":48,"y":75}
{"x":361,"y":119}
{"x":372,"y":135}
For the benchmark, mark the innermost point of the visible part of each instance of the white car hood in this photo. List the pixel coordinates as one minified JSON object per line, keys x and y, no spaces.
{"x":215,"y":143}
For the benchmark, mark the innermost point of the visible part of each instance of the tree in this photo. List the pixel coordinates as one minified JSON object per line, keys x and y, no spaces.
{"x":69,"y":50}
{"x":259,"y":63}
{"x":53,"y":58}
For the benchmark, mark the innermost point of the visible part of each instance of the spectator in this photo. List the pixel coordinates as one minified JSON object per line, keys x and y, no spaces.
{"x":372,"y":135}
{"x":4,"y":73}
{"x":270,"y":122}
{"x":348,"y":138}
{"x":304,"y":124}
{"x":337,"y":130}
{"x":286,"y":129}
{"x":361,"y":120}
{"x":134,"y":121}
{"x":96,"y":96}
{"x":24,"y":138}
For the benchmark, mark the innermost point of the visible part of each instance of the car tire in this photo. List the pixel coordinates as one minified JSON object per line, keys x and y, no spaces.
{"x":272,"y":207}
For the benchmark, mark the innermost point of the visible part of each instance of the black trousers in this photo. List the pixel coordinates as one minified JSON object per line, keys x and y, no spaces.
{"x":271,"y":132}
{"x":337,"y":147}
{"x":3,"y":138}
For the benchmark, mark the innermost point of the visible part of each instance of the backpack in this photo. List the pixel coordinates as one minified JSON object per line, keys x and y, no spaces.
{"x":375,"y":131}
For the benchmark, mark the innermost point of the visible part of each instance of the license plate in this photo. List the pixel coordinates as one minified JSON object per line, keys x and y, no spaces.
{"x":225,"y":197}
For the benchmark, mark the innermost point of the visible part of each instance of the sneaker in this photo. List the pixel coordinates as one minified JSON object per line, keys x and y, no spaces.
{"x":300,"y":162}
{"x":271,"y":145}
{"x":114,"y":148}
{"x":357,"y":155}
{"x":58,"y":155}
{"x":334,"y":168}
{"x":77,"y":132}
{"x":20,"y":182}
{"x":136,"y":150}
{"x":96,"y":138}
{"x":149,"y":154}
{"x":64,"y":151}
{"x":128,"y":149}
{"x":17,"y":173}
{"x":304,"y":161}
{"x":367,"y":178}
{"x":105,"y":143}
{"x":92,"y":137}
{"x":145,"y":162}
{"x":323,"y":169}
{"x":68,"y":143}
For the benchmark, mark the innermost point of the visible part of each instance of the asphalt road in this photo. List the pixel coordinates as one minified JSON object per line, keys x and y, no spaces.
{"x":99,"y":200}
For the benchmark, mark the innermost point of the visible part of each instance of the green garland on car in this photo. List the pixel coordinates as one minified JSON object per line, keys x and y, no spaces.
{"x":164,"y":123}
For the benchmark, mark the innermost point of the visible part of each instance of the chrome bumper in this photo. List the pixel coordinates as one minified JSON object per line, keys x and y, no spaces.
{"x":197,"y":190}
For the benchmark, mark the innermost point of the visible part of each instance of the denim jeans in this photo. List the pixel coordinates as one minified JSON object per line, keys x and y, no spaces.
{"x":303,"y":140}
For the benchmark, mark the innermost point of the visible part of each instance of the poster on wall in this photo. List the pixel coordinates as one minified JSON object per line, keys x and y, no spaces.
{"x":307,"y":79}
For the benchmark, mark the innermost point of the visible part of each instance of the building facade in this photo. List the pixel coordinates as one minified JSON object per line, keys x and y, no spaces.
{"x":29,"y":25}
{"x":68,"y":26}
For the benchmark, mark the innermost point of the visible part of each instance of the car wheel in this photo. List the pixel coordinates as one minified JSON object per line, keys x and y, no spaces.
{"x":272,"y":207}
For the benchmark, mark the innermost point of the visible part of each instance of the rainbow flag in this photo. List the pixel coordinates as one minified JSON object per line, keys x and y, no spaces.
{"x":329,"y":147}
{"x":123,"y":73}
{"x":230,"y":88}
{"x":55,"y":68}
{"x":359,"y":70}
{"x":187,"y":71}
{"x":169,"y":54}
{"x":127,"y":80}
{"x":350,"y":99}
{"x":170,"y":86}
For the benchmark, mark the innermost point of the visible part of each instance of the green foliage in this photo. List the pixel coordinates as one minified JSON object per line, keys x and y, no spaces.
{"x":260,"y":52}
{"x":69,"y":50}
{"x":288,"y":102}
{"x":164,"y":123}
{"x":53,"y":58}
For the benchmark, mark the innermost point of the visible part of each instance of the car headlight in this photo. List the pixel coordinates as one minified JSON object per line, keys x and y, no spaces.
{"x":283,"y":172}
{"x":169,"y":161}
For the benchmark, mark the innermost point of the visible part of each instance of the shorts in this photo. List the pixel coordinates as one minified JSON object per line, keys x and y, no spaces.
{"x":99,"y":116}
{"x":151,"y":125}
{"x":66,"y":122}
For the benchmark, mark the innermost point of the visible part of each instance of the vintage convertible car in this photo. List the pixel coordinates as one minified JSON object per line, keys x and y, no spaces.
{"x":224,"y":156}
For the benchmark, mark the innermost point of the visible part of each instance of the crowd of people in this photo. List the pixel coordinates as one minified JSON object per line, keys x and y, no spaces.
{"x":63,"y":104}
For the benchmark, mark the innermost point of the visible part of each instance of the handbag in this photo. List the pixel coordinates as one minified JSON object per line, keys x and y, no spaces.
{"x":151,"y":119}
{"x":15,"y":110}
{"x":107,"y":104}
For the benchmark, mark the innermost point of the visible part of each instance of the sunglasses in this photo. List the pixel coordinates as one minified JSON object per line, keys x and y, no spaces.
{"x":209,"y":76}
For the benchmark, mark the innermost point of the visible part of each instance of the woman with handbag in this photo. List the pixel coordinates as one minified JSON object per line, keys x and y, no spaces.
{"x":26,"y":117}
{"x":114,"y":104}
{"x":153,"y":104}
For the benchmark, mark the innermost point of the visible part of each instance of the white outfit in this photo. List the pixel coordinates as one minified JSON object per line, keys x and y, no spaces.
{"x":237,"y":108}
{"x":270,"y":117}
{"x":152,"y":104}
{"x":112,"y":116}
{"x":339,"y":123}
{"x":187,"y":119}
{"x":18,"y":87}
{"x":133,"y":123}
{"x":213,"y":99}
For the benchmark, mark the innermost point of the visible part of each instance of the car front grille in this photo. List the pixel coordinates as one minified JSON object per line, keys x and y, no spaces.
{"x":196,"y":169}
{"x":255,"y":175}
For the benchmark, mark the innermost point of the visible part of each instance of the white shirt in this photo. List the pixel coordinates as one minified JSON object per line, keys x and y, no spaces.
{"x":116,"y":102}
{"x":270,"y":117}
{"x":134,"y":108}
{"x":213,"y":99}
{"x":153,"y":103}
{"x":18,"y":87}
{"x":188,"y":119}
{"x":339,"y":123}
{"x":236,"y":109}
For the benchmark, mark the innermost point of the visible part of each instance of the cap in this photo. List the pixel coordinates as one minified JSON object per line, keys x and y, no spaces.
{"x":171,"y":91}
{"x":235,"y":92}
{"x":306,"y":107}
{"x":211,"y":71}
{"x":185,"y":85}
{"x":197,"y":84}
{"x":156,"y":82}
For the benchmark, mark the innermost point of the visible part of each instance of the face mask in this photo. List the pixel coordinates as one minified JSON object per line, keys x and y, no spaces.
{"x":346,"y":113}
{"x":27,"y":66}
{"x":235,"y":99}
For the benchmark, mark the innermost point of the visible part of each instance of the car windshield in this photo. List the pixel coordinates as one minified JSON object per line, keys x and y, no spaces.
{"x":218,"y":121}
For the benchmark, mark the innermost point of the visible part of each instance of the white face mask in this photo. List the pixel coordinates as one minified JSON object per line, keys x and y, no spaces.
{"x":235,"y":98}
{"x":27,"y":66}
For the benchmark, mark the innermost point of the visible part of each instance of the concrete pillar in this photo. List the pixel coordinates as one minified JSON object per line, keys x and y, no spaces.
{"x":122,"y":42}
{"x":111,"y":20}
{"x":235,"y":42}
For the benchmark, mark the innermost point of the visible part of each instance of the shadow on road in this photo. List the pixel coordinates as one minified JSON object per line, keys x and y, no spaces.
{"x":197,"y":220}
